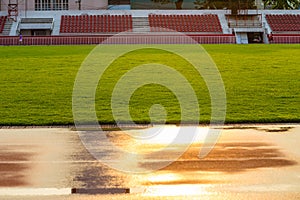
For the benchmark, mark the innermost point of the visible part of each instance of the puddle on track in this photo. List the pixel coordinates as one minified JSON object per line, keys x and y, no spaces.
{"x":244,"y":160}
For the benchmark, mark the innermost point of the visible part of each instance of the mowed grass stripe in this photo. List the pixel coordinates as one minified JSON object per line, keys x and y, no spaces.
{"x":37,"y":82}
{"x":262,"y":84}
{"x":262,"y":81}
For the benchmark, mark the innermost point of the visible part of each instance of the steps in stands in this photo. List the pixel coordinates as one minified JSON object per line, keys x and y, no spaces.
{"x":140,"y":24}
{"x":7,"y":27}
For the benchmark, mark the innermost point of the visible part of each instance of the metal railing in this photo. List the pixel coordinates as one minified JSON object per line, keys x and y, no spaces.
{"x":285,"y":39}
{"x":119,"y":39}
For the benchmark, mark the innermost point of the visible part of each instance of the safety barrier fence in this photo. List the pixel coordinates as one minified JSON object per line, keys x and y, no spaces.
{"x":286,"y":39}
{"x":119,"y":39}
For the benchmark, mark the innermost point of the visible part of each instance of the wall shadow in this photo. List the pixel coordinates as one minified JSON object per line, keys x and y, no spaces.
{"x":228,"y":157}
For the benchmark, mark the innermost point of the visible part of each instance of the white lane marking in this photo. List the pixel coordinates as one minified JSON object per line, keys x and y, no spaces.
{"x":34,"y":191}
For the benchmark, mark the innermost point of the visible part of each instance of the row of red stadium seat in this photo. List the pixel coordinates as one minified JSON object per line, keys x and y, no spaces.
{"x":95,"y":23}
{"x":2,"y":22}
{"x":282,"y":23}
{"x":185,"y":23}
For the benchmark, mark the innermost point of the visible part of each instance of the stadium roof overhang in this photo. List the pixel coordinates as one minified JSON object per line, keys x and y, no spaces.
{"x":247,"y":30}
{"x":35,"y":26}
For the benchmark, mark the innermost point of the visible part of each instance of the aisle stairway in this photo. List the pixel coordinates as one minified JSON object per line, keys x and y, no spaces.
{"x":7,"y":27}
{"x":140,"y":24}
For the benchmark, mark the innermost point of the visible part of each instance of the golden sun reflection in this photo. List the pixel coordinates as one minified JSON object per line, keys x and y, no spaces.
{"x":165,"y":135}
{"x":176,"y":190}
{"x":166,"y":184}
{"x":166,"y":177}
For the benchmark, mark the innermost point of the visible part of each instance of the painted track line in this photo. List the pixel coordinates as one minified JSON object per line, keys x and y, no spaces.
{"x":61,"y":191}
{"x":34,"y":191}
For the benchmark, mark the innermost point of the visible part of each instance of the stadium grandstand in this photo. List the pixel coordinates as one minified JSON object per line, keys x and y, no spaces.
{"x":46,"y":22}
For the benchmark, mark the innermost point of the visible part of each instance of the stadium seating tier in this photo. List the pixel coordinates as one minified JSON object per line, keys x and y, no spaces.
{"x":185,"y":23}
{"x":95,"y":23}
{"x":284,"y":23}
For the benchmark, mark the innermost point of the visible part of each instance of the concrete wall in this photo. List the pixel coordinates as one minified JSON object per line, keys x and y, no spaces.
{"x":241,"y":38}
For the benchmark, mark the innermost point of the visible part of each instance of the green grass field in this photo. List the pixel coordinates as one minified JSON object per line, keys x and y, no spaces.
{"x":261,"y":81}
